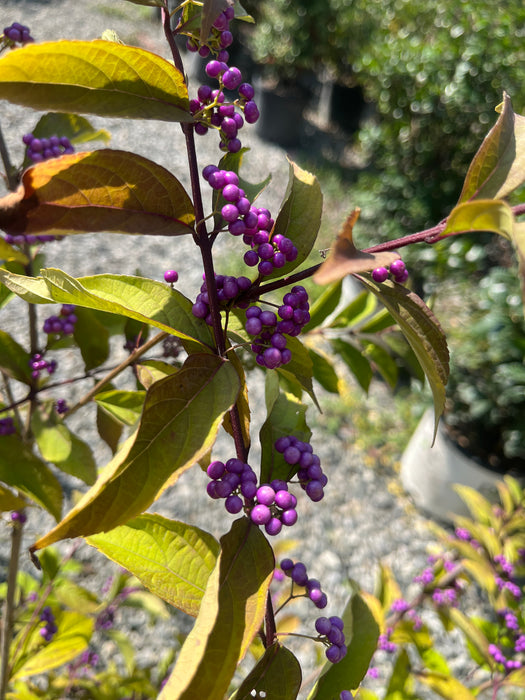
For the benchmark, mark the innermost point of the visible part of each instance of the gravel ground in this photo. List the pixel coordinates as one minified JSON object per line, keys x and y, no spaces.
{"x":360,"y":521}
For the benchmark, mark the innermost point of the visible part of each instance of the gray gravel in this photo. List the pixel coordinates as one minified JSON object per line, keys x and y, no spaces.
{"x":360,"y":521}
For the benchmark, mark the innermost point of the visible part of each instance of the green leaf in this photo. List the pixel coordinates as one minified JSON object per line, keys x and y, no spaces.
{"x":383,"y":362}
{"x":300,"y":367}
{"x":323,"y":371}
{"x":150,"y":3}
{"x":105,"y":190}
{"x":14,"y":360}
{"x":198,"y":395}
{"x":231,"y":613}
{"x":61,"y":447}
{"x":109,"y":429}
{"x":9,"y":501}
{"x":172,"y":559}
{"x":124,"y":405}
{"x":481,"y":215}
{"x":422,"y":330}
{"x":277,"y":674}
{"x":9,"y":253}
{"x":356,"y":361}
{"x":287,"y":416}
{"x":300,"y":216}
{"x":72,"y":637}
{"x":498,"y":168}
{"x":23,"y":470}
{"x":94,"y":77}
{"x":91,"y":337}
{"x":151,"y":302}
{"x":150,"y":371}
{"x":446,"y":686}
{"x":324,"y":305}
{"x":473,"y":634}
{"x":400,"y":677}
{"x":357,"y":311}
{"x":361,"y":632}
{"x":211,"y":9}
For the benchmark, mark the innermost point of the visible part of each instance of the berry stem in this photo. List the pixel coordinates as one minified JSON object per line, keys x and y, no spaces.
{"x":10,"y":171}
{"x":9,"y":606}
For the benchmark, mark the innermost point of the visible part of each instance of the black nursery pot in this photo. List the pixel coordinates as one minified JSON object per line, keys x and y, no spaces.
{"x":347,"y":105}
{"x":281,"y":110}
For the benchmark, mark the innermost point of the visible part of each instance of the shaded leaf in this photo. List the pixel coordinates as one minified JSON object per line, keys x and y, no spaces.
{"x":143,"y":299}
{"x":23,"y":470}
{"x":300,"y":216}
{"x":243,"y":404}
{"x":287,"y":416}
{"x":357,"y":311}
{"x":94,"y":77}
{"x":14,"y":360}
{"x":480,"y":215}
{"x":9,"y":252}
{"x":92,"y":337}
{"x":422,"y":330}
{"x":150,"y":3}
{"x":277,"y":673}
{"x":355,"y":360}
{"x":230,"y":616}
{"x":498,"y":167}
{"x":198,"y":395}
{"x":124,"y":405}
{"x":58,"y":445}
{"x":211,"y":9}
{"x":344,"y":258}
{"x":104,"y":190}
{"x":323,"y":371}
{"x":150,"y":371}
{"x":361,"y":632}
{"x":300,"y":367}
{"x":518,"y":238}
{"x":383,"y":363}
{"x":323,"y":306}
{"x":172,"y":559}
{"x":10,"y":501}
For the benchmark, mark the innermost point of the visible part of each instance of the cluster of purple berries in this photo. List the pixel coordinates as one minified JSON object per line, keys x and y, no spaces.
{"x":31,"y":239}
{"x":49,"y":628}
{"x":61,"y":406}
{"x":7,"y":426}
{"x":269,"y":345}
{"x":18,"y":33}
{"x":64,"y":323}
{"x":228,"y":288}
{"x":397,"y":269}
{"x":220,"y":37}
{"x":310,"y":474}
{"x":299,"y":575}
{"x":46,"y":148}
{"x":38,"y":364}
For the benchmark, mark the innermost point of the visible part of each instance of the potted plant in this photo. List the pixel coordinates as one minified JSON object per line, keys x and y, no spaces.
{"x":482,"y":434}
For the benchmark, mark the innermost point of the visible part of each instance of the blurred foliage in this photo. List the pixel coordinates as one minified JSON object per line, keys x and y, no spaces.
{"x":486,"y":389}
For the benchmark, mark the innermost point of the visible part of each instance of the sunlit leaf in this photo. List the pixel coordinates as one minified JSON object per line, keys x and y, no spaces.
{"x":126,"y":406}
{"x":300,"y":215}
{"x":344,"y":258}
{"x":300,"y":367}
{"x":498,"y":167}
{"x":277,"y":674}
{"x":105,"y":190}
{"x":23,"y":470}
{"x":58,"y":445}
{"x":172,"y":559}
{"x":8,"y":252}
{"x":323,"y":370}
{"x":198,"y":395}
{"x":145,"y":300}
{"x":356,"y":361}
{"x":92,"y":338}
{"x":446,"y":686}
{"x":230,"y":616}
{"x":481,"y":215}
{"x":324,"y":305}
{"x":94,"y":77}
{"x":422,"y":330}
{"x":9,"y":501}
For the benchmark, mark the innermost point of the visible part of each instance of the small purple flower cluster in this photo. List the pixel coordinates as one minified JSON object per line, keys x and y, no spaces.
{"x":83,"y":664}
{"x":18,"y":33}
{"x":18,"y":516}
{"x":384,"y":643}
{"x":106,"y":618}
{"x":49,"y":628}
{"x":7,"y":426}
{"x":505,"y":579}
{"x":397,"y":270}
{"x":63,"y":324}
{"x":310,"y":474}
{"x":228,"y":288}
{"x":38,"y":365}
{"x":42,"y":149}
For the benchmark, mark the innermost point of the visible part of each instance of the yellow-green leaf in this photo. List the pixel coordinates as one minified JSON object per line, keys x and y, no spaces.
{"x":198,"y":395}
{"x":124,"y":405}
{"x":105,"y":190}
{"x":230,"y":616}
{"x":481,"y":215}
{"x":94,"y":77}
{"x":172,"y":559}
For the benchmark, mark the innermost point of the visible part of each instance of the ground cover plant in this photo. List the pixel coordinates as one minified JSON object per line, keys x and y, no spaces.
{"x":190,"y":358}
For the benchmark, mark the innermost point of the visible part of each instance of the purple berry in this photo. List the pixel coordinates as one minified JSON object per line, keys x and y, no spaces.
{"x":323,"y":625}
{"x":266,"y":495}
{"x":171,"y":276}
{"x":333,"y":654}
{"x":289,"y":517}
{"x":380,"y":274}
{"x":233,"y":504}
{"x":273,"y":526}
{"x":260,"y":514}
{"x":397,"y":268}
